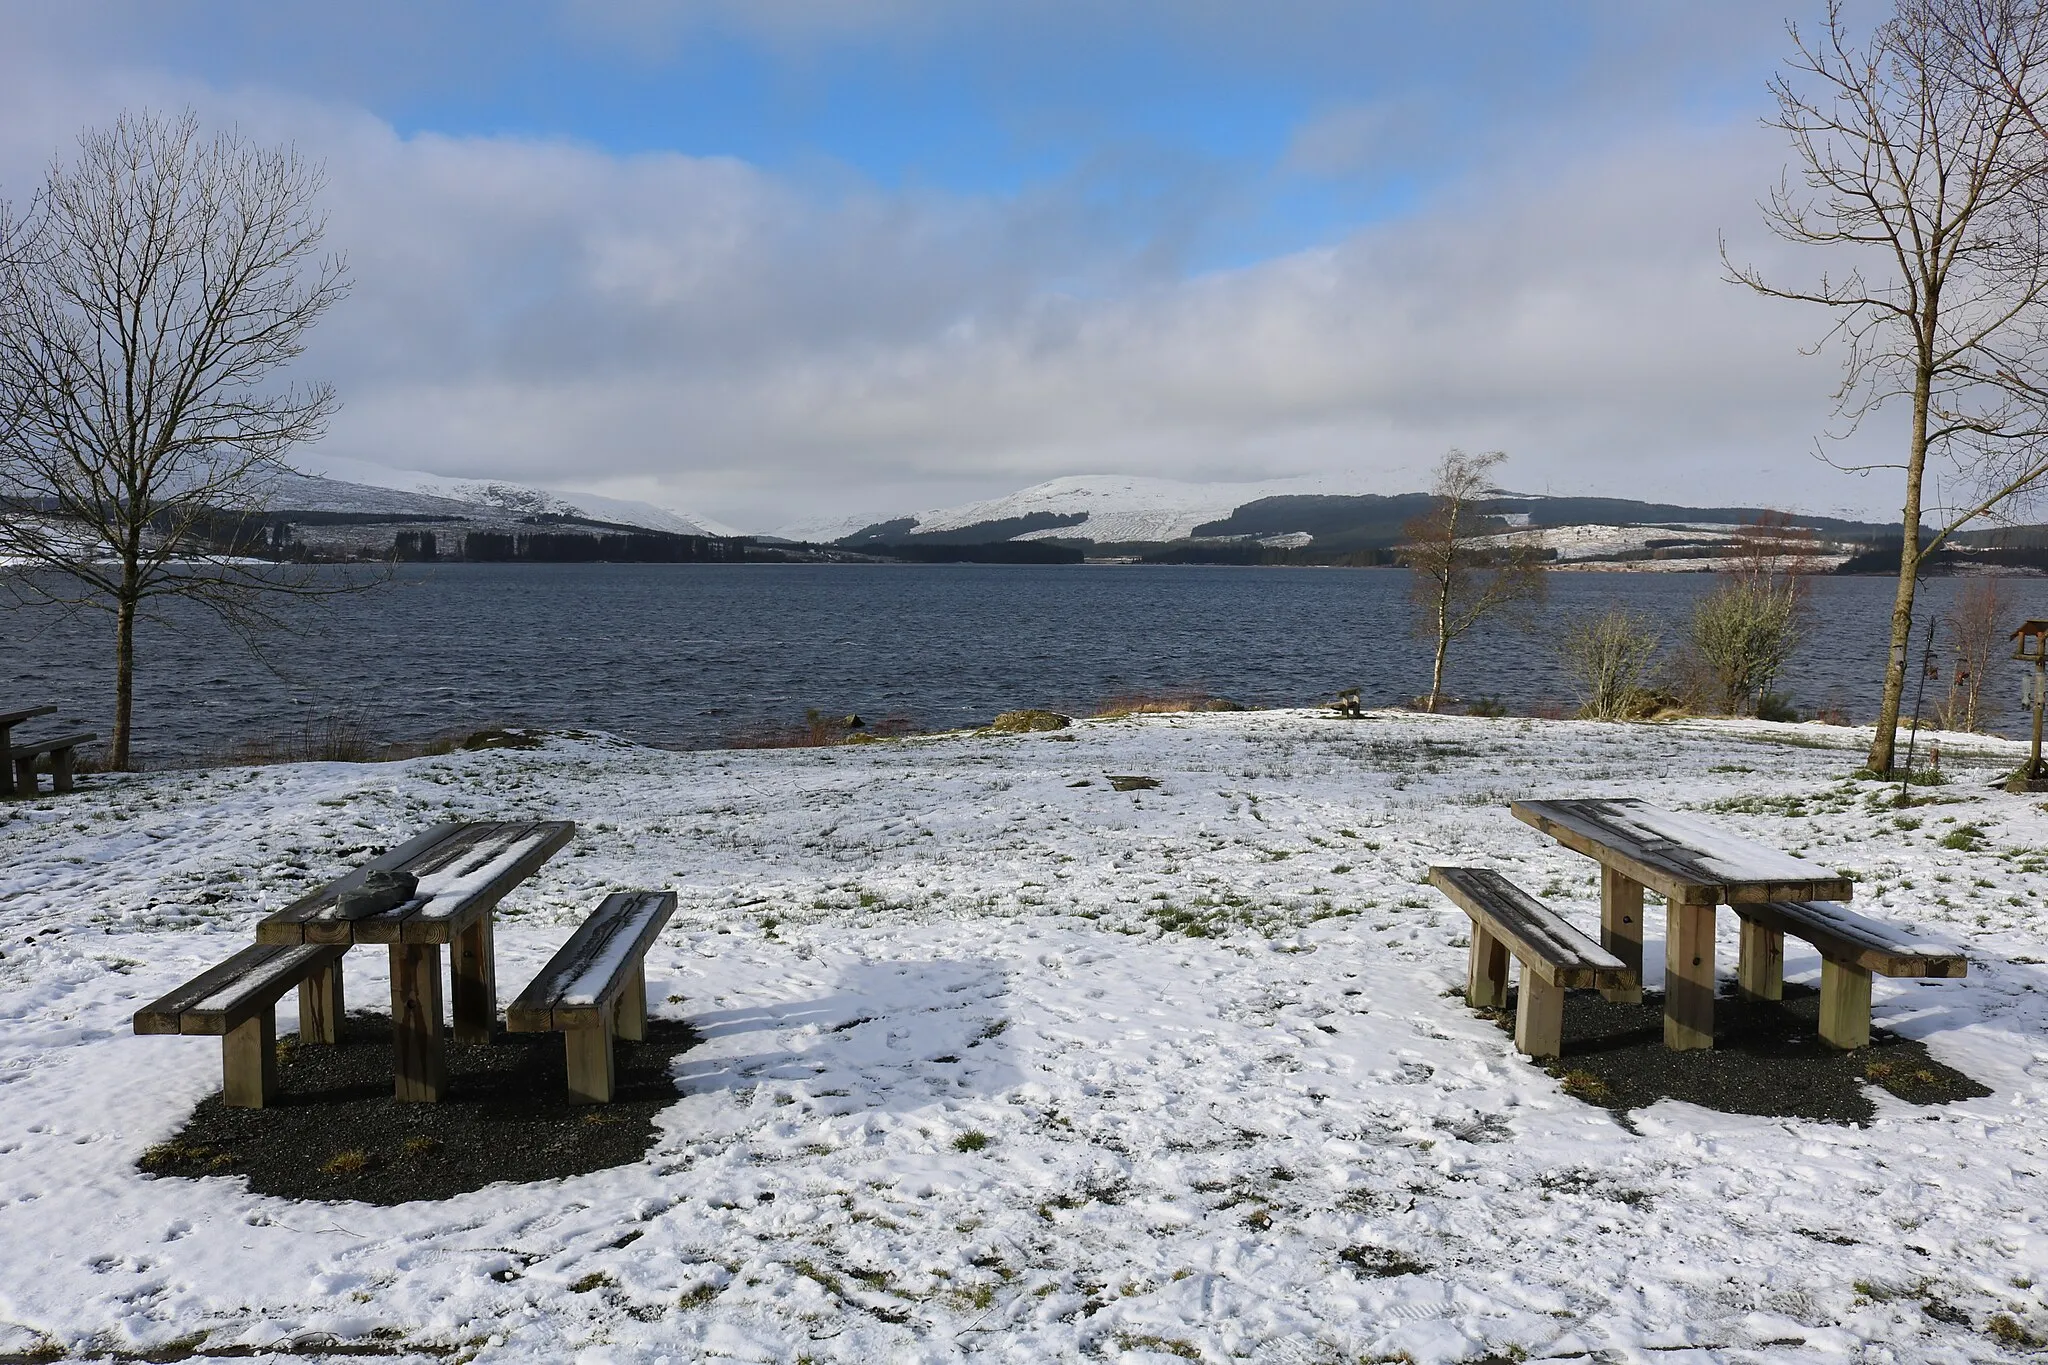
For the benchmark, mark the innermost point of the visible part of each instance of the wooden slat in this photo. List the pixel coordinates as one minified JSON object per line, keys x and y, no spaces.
{"x":516,"y":850}
{"x":289,"y":924}
{"x":594,"y":967}
{"x":1681,"y":857}
{"x":43,"y":746}
{"x":1855,"y":940}
{"x":1543,"y":941}
{"x":10,"y":719}
{"x":228,"y":993}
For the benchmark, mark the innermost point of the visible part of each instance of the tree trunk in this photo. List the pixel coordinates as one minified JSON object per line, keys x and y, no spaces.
{"x":1884,"y":744}
{"x":124,"y":683}
{"x":1443,"y":644}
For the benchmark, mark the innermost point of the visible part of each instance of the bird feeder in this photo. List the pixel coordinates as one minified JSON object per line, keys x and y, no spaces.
{"x":2030,"y":645}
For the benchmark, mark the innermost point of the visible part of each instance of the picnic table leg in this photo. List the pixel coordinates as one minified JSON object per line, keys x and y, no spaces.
{"x":6,"y":761}
{"x":1621,"y":930}
{"x":1760,"y":974}
{"x":321,"y":1006}
{"x":630,"y":1021}
{"x":25,"y":776}
{"x":473,"y":981}
{"x":62,"y":761}
{"x":248,"y":1062}
{"x":419,"y":1064}
{"x":590,"y":1061}
{"x":1688,"y":976}
{"x":1486,"y":984}
{"x":1539,"y":1017}
{"x":1844,"y":1004}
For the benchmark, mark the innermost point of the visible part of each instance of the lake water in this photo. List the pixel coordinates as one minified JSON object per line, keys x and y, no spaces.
{"x":690,"y":655}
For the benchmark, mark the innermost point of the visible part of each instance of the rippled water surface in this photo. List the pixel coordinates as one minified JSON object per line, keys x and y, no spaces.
{"x":693,"y":654}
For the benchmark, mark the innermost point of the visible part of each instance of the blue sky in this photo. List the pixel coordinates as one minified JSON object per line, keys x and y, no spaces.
{"x":776,"y":260}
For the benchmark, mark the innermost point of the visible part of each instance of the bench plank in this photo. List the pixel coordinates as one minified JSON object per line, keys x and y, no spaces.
{"x":37,"y":747}
{"x":590,"y":969}
{"x":1680,"y":856}
{"x":228,"y":993}
{"x":1857,"y":940}
{"x":1532,"y":931}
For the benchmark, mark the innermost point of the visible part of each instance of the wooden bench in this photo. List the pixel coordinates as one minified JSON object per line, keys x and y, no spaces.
{"x":63,"y":752}
{"x":1554,"y":956}
{"x":1851,"y":948}
{"x":595,"y":988}
{"x":8,"y":720}
{"x":237,"y":1000}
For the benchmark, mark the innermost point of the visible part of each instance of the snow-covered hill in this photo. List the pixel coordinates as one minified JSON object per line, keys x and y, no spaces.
{"x":338,"y":484}
{"x":1115,"y":507}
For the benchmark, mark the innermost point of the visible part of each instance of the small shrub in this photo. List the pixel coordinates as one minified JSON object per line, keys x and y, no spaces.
{"x":1608,"y":659}
{"x":1489,"y":708}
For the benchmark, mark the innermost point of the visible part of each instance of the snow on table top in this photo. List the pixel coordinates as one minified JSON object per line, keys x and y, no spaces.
{"x":1187,"y":1135}
{"x":1701,"y":846}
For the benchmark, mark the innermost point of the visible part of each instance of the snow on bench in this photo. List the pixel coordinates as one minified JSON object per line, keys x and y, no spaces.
{"x":1554,"y":956}
{"x":595,"y":988}
{"x":1851,"y":946}
{"x":237,"y":1000}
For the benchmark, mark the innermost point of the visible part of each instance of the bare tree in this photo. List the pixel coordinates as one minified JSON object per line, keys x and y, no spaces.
{"x":1608,"y":659}
{"x":1923,"y":167}
{"x":1977,"y":624}
{"x":1749,"y":625}
{"x":1459,"y":577}
{"x":149,"y":293}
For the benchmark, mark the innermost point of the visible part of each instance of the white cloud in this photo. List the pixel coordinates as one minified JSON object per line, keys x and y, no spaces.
{"x":698,"y":332}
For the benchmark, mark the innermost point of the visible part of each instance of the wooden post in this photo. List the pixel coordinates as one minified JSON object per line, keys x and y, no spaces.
{"x":1844,"y":1004}
{"x":1688,"y":976}
{"x":1486,"y":986}
{"x":631,"y":1021}
{"x":248,"y":1062}
{"x":418,"y":1063}
{"x":590,"y":1061}
{"x":6,"y":760}
{"x":473,"y":982}
{"x":25,"y":776}
{"x":1760,"y":972}
{"x":61,"y":763}
{"x":321,"y":1006}
{"x":1539,"y":1016}
{"x":1621,"y":930}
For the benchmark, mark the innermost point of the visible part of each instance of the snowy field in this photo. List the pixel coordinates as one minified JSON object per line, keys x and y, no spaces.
{"x":1226,"y":1109}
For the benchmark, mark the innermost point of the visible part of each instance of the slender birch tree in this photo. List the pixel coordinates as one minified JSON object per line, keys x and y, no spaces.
{"x":1922,"y":171}
{"x":150,"y":292}
{"x":1458,"y":579}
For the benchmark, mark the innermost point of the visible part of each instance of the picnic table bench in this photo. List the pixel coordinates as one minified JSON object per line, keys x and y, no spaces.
{"x":63,"y":752}
{"x":237,"y":1001}
{"x":442,"y":888}
{"x":1555,"y":956}
{"x":595,"y":988}
{"x":1851,"y":948}
{"x":1696,"y":866}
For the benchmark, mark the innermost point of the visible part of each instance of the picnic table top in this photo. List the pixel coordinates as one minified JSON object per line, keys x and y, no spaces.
{"x":1679,"y":855}
{"x":9,"y":719}
{"x":464,"y":869}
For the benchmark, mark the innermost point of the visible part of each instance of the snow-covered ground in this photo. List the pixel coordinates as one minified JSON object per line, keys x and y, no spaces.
{"x":1280,"y":1140}
{"x":1592,"y":546}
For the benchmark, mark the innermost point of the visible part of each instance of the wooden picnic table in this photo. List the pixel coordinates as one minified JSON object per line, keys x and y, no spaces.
{"x":464,"y":870}
{"x":8,"y":720}
{"x":1695,"y":865}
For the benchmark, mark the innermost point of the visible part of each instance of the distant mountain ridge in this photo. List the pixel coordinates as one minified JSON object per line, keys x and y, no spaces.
{"x":1135,"y":514}
{"x":333,"y":484}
